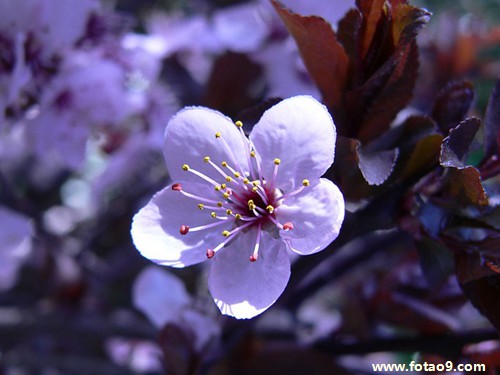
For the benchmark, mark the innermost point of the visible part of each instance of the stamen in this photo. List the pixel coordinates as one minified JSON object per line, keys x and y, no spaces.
{"x":255,"y":254}
{"x":207,"y":226}
{"x":305,"y":183}
{"x":253,"y":154}
{"x":184,"y":230}
{"x":230,"y":152}
{"x":270,"y":209}
{"x":288,"y":225}
{"x":277,"y":162}
{"x":201,"y":206}
{"x":203,"y":176}
{"x":197,"y":197}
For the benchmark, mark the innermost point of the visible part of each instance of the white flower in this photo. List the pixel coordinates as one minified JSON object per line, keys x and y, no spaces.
{"x":162,"y":297}
{"x":243,"y":202}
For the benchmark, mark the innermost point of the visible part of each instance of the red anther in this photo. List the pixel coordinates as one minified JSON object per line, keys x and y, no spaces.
{"x":184,"y":229}
{"x":210,"y":253}
{"x":287,"y":226}
{"x":253,"y":258}
{"x":177,"y":187}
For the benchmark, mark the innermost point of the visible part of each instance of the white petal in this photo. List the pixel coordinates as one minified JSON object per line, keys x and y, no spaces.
{"x":190,"y":136}
{"x":160,"y":295}
{"x":316,"y":213}
{"x":244,"y":289}
{"x":155,"y":229}
{"x":300,"y":132}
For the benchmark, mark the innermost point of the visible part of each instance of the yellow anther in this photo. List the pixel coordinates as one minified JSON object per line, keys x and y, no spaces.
{"x":229,"y":212}
{"x":223,"y":186}
{"x":224,"y":164}
{"x":206,"y":159}
{"x":305,"y":182}
{"x":270,"y":209}
{"x":229,"y":179}
{"x":237,"y":216}
{"x":239,"y":124}
{"x":255,"y":189}
{"x":213,"y":214}
{"x":217,"y":187}
{"x":219,"y":204}
{"x":246,"y":181}
{"x":218,"y":135}
{"x":277,"y":161}
{"x":237,"y":174}
{"x":251,"y":205}
{"x":185,"y":167}
{"x":252,"y":153}
{"x":255,"y":183}
{"x":226,"y":195}
{"x":201,"y":206}
{"x":226,"y":233}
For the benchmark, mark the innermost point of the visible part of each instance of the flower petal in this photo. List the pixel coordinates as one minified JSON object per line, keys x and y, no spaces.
{"x":190,"y":136}
{"x":155,"y":228}
{"x":300,"y":132}
{"x":244,"y":289}
{"x":316,"y":213}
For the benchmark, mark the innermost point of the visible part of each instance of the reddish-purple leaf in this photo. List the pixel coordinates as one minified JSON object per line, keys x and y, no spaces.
{"x":455,"y":147}
{"x":436,"y":261}
{"x":465,"y":184}
{"x":231,"y":86}
{"x":394,"y":96}
{"x":324,"y":58}
{"x":177,"y":343}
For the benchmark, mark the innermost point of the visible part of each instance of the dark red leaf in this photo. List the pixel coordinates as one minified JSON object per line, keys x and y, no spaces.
{"x":372,"y":11}
{"x":452,"y":104}
{"x":231,"y":86}
{"x":492,"y":123}
{"x":424,"y":154}
{"x":376,"y":166}
{"x":481,"y":285}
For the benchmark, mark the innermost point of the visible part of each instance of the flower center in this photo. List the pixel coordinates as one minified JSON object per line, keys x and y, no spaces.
{"x":246,"y":199}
